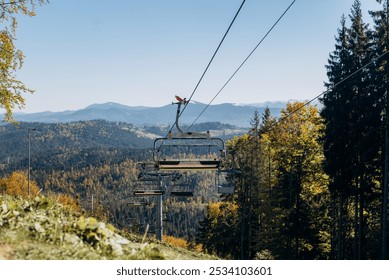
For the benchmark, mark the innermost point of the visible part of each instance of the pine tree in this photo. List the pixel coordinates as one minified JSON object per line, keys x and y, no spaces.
{"x":380,"y":81}
{"x":352,"y":116}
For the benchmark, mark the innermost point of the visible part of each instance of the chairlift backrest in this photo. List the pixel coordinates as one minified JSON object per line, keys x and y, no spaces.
{"x":223,"y":185}
{"x":188,"y":153}
{"x":203,"y":152}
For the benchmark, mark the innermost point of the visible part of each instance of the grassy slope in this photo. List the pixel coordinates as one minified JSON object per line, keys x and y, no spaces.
{"x":44,"y":229}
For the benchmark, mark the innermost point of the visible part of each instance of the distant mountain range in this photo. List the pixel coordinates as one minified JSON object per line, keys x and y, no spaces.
{"x":237,"y":115}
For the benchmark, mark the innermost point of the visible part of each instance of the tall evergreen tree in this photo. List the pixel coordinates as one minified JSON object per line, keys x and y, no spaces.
{"x":336,"y":143}
{"x":352,"y":116}
{"x":381,"y":85}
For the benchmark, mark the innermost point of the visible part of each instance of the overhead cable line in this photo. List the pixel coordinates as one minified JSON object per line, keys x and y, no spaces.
{"x":213,"y":56}
{"x":328,"y":90}
{"x":281,"y":119}
{"x":209,"y":63}
{"x":244,"y":61}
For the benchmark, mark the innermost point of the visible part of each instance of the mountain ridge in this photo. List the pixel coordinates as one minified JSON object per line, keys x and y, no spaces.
{"x":235,"y":114}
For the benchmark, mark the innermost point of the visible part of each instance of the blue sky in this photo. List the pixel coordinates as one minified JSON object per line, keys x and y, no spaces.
{"x":144,"y":52}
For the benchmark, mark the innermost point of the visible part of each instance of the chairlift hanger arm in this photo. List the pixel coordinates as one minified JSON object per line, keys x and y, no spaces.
{"x":179,"y":103}
{"x":181,"y":133}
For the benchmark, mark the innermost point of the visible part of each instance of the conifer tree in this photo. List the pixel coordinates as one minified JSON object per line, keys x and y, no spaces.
{"x":352,"y":142}
{"x":381,"y":85}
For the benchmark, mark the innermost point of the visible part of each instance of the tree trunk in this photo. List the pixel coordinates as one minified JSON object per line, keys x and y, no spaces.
{"x":340,"y":228}
{"x":356,"y":228}
{"x":361,"y":235}
{"x":333,"y":229}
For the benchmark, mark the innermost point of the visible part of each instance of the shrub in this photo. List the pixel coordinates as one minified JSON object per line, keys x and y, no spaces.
{"x":17,"y":185}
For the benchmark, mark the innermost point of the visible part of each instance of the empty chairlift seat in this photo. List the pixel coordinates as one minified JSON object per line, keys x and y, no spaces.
{"x":188,"y":164}
{"x":188,"y":153}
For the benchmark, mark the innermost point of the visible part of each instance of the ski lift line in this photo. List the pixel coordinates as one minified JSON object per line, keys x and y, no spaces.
{"x":175,"y":142}
{"x":225,"y":190}
{"x":148,"y":192}
{"x":171,"y":163}
{"x":213,"y":56}
{"x":244,"y":62}
{"x":328,"y":91}
{"x":199,"y":165}
{"x":210,"y":62}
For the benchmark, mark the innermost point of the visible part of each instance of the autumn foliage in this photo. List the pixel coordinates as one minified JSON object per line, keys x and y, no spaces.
{"x":177,"y":242}
{"x":17,"y":185}
{"x":66,"y":200}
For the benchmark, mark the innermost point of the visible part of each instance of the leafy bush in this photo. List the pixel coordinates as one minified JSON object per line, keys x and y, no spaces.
{"x":177,"y":242}
{"x":44,"y":222}
{"x":17,"y":185}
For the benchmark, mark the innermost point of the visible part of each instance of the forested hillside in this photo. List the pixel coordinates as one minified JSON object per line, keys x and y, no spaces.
{"x":310,"y":184}
{"x":95,"y":162}
{"x":65,"y":139}
{"x":237,"y":115}
{"x":314,"y":185}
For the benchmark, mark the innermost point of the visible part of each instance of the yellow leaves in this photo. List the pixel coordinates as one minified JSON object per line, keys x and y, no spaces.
{"x":297,"y":148}
{"x":66,"y":200}
{"x":11,"y":59}
{"x":214,"y":209}
{"x":10,"y":88}
{"x":220,"y":208}
{"x":9,"y":10}
{"x":177,"y":242}
{"x":315,"y":187}
{"x":17,"y":185}
{"x":299,"y":130}
{"x":7,"y":50}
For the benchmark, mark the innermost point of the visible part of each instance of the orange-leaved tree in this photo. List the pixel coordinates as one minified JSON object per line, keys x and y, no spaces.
{"x":17,"y":185}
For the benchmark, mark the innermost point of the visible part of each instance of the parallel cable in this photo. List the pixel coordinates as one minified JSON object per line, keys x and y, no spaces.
{"x":244,"y":61}
{"x":328,"y":90}
{"x":281,"y":119}
{"x":206,"y":69}
{"x":214,"y":54}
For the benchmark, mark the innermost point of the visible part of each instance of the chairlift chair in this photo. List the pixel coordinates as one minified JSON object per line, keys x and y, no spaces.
{"x":222,"y":184}
{"x":169,"y":151}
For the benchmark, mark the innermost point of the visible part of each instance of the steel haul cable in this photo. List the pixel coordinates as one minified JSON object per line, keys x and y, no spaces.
{"x":244,"y":61}
{"x":209,"y":63}
{"x":329,"y":90}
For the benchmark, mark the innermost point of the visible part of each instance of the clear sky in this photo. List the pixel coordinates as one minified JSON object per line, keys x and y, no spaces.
{"x":80,"y":52}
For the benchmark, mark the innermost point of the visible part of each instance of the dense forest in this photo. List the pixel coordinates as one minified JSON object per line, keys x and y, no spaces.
{"x":311,"y":184}
{"x":96,"y":164}
{"x":314,"y":184}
